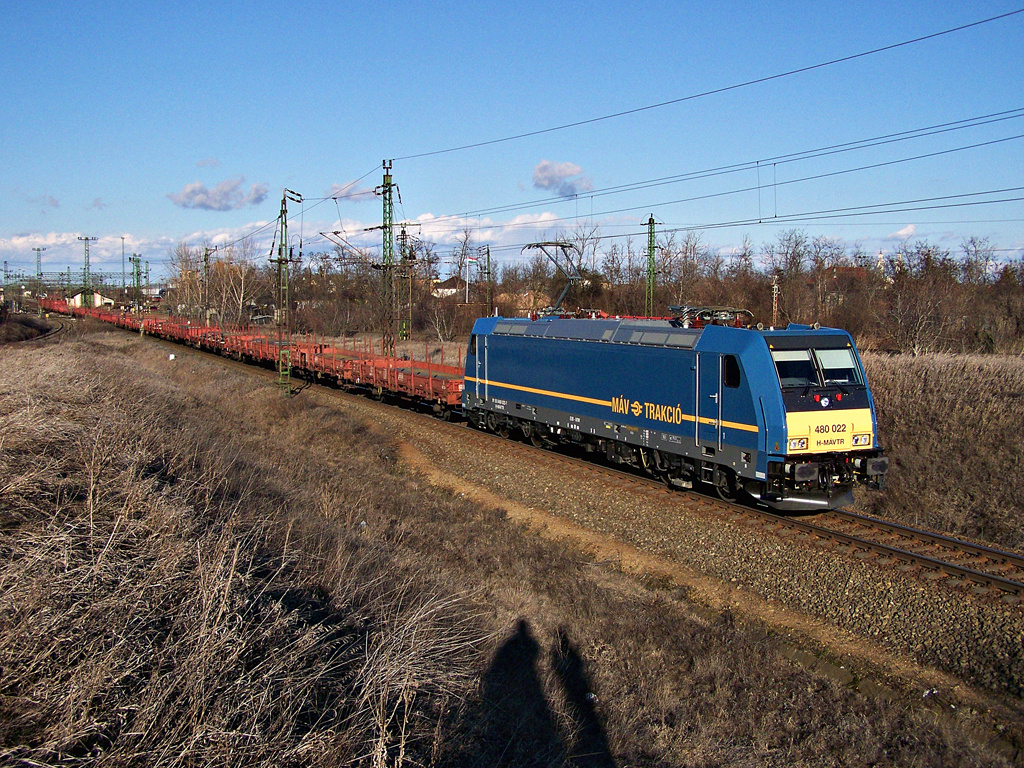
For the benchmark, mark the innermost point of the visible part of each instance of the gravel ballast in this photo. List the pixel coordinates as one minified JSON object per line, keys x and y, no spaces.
{"x":976,"y":638}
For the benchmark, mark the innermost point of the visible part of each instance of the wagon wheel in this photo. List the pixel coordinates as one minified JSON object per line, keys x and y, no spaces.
{"x":536,"y":439}
{"x":725,"y":483}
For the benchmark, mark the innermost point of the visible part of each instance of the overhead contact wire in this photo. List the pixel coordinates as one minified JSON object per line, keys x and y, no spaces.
{"x":715,"y":91}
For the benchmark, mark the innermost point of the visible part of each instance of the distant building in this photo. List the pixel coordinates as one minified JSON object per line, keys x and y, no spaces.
{"x":453,"y":286}
{"x":98,"y":300}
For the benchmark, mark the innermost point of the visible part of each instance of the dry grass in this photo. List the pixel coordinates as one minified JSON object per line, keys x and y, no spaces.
{"x":161,"y":608}
{"x":197,"y":572}
{"x":954,"y":427}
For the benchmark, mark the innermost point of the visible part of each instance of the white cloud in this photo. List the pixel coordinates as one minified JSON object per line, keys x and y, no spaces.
{"x":446,"y":230}
{"x":63,"y":250}
{"x":98,"y":204}
{"x":903,"y":234}
{"x":226,"y":196}
{"x":209,"y":162}
{"x":564,"y":179}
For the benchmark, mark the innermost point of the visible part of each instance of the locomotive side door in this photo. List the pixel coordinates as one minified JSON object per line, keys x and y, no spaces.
{"x":474,"y":350}
{"x":708,"y":407}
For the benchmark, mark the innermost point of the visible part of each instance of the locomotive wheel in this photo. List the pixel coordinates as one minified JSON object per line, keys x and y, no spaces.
{"x":492,"y":422}
{"x":725,"y":483}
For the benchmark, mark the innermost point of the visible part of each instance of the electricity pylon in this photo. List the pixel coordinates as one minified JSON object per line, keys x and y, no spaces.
{"x":284,"y":323}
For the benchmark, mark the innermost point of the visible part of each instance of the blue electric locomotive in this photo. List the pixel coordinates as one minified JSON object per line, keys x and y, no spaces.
{"x":784,"y":416}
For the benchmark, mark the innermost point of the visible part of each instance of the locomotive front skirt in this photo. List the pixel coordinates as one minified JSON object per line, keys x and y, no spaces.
{"x":785,"y":416}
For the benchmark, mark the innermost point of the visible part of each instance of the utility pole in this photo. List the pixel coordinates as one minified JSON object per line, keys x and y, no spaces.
{"x":136,"y":261}
{"x":775,"y":300}
{"x":206,"y":284}
{"x":124,"y":290}
{"x":284,"y":327}
{"x":39,"y":268}
{"x":490,"y":282}
{"x":146,"y":294}
{"x":405,"y":326}
{"x":87,"y":281}
{"x":385,"y":190}
{"x":651,"y":243}
{"x":388,"y":272}
{"x":486,"y":250}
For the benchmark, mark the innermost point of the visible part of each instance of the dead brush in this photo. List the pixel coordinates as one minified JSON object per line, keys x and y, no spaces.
{"x":954,"y":428}
{"x":146,"y":621}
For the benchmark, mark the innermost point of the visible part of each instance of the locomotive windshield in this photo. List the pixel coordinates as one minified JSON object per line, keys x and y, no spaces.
{"x":838,"y":366}
{"x":816,"y":367}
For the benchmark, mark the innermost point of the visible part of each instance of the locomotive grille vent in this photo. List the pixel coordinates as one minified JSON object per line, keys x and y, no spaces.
{"x":614,"y":331}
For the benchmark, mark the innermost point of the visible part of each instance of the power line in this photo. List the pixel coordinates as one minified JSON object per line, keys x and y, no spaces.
{"x":944,"y":202}
{"x":319,"y":202}
{"x":715,"y":91}
{"x":741,"y":190}
{"x":790,"y":157}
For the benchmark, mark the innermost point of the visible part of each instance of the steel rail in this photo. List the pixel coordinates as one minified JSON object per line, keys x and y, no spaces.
{"x":906,"y":555}
{"x":933,"y":538}
{"x":62,"y":325}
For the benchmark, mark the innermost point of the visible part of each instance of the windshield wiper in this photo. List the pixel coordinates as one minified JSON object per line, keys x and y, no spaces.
{"x":835,"y":383}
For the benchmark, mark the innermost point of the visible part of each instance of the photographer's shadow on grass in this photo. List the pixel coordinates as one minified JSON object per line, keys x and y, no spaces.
{"x":518,"y":726}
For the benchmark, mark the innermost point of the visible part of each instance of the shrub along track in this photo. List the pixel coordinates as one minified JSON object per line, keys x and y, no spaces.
{"x":863,"y":624}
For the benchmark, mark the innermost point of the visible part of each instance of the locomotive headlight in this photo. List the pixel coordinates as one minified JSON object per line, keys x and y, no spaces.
{"x":798,"y":444}
{"x":862,"y":439}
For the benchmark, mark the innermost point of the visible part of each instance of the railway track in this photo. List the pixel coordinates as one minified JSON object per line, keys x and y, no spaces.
{"x":60,"y":327}
{"x":958,"y":563}
{"x":955,"y":563}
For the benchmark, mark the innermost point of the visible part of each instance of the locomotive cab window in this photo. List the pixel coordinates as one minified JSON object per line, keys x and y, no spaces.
{"x":472,"y":344}
{"x":838,"y":366}
{"x":795,"y":367}
{"x":730,"y":371}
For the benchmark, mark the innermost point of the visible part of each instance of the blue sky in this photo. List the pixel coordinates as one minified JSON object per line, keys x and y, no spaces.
{"x":168,"y":122}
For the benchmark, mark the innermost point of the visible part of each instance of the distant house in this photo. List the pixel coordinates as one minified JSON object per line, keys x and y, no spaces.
{"x":98,"y":300}
{"x":451,"y":287}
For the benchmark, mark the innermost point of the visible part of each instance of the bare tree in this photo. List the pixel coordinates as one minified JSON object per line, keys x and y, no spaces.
{"x":976,"y":261}
{"x":462,"y":251}
{"x":787,"y":259}
{"x":236,"y":282}
{"x":186,"y":267}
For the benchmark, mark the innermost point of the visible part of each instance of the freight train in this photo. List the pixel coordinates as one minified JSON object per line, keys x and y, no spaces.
{"x":782,"y":417}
